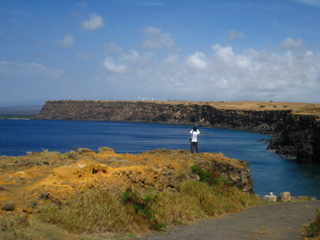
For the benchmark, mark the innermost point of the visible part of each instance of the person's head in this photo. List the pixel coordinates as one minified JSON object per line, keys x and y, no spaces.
{"x":195,"y":129}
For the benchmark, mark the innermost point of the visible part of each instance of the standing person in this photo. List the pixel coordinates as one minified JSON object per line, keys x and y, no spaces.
{"x":194,"y":139}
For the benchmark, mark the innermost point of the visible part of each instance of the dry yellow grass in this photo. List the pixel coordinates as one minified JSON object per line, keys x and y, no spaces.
{"x":85,"y":189}
{"x":63,"y":175}
{"x":297,"y":108}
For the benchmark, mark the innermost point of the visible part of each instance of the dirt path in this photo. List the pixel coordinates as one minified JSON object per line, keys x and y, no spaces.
{"x":276,"y":221}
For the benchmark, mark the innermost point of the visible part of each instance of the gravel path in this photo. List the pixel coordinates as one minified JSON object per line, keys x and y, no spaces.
{"x":275,"y":221}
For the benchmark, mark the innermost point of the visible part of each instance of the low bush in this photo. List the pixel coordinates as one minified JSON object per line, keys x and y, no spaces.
{"x":143,"y":206}
{"x":211,"y":177}
{"x":313,"y":229}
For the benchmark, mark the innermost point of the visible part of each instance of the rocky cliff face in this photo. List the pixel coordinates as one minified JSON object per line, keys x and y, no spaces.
{"x":300,"y":138}
{"x":297,"y":135}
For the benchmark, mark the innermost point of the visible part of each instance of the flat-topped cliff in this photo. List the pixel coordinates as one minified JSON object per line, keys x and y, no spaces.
{"x":295,"y":125}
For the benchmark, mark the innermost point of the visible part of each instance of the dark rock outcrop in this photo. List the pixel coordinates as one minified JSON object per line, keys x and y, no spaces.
{"x":9,"y":206}
{"x":296,"y":135}
{"x":300,"y":139}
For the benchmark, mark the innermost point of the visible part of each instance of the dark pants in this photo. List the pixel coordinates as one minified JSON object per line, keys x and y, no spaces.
{"x":194,"y":145}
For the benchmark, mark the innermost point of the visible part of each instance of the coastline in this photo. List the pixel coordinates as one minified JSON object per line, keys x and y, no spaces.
{"x":296,"y":126}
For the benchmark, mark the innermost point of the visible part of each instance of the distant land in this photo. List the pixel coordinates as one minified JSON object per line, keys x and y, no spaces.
{"x":19,"y":111}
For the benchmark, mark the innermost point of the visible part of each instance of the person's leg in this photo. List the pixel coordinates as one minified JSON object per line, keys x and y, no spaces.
{"x":192,"y":147}
{"x":196,"y":145}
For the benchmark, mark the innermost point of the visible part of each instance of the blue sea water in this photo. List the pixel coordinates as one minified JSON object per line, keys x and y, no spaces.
{"x":269,"y":171}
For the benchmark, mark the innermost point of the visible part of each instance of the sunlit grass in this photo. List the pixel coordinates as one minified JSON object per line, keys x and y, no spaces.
{"x":103,"y":211}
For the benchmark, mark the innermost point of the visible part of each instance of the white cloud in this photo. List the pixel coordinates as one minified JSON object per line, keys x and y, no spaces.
{"x":32,"y":71}
{"x":291,"y":43}
{"x":225,"y":53}
{"x":94,"y":22}
{"x":221,"y":74}
{"x":133,"y":54}
{"x":154,"y":38}
{"x":314,"y":3}
{"x":67,"y":41}
{"x":172,"y":58}
{"x":197,"y":61}
{"x":112,"y":67}
{"x":233,"y":35}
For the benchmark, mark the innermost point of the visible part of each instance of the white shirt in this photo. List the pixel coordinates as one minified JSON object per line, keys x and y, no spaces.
{"x":194,"y":135}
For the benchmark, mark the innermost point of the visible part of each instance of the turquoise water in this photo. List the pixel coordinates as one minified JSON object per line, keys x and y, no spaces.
{"x":269,"y":171}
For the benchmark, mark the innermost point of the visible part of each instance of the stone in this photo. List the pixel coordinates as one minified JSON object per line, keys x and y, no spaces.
{"x":66,"y":182}
{"x":27,"y":209}
{"x":285,"y":197}
{"x":270,"y":198}
{"x":44,"y":196}
{"x":3,"y":189}
{"x":9,"y":206}
{"x":34,"y":204}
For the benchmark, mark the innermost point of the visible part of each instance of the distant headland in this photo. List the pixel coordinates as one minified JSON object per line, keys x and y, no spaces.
{"x":296,"y":126}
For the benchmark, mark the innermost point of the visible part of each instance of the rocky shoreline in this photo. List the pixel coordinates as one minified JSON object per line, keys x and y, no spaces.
{"x":296,"y":135}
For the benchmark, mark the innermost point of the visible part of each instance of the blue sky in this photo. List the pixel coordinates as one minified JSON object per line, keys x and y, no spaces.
{"x":159,"y":50}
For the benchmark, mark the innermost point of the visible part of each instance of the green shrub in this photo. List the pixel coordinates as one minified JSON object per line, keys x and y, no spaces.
{"x":143,"y":206}
{"x":210,"y":177}
{"x":72,"y":154}
{"x":313,"y":229}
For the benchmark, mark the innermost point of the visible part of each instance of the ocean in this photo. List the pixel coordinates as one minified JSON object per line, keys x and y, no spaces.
{"x":269,"y":171}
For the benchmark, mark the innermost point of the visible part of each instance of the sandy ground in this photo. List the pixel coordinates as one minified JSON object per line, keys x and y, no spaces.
{"x":275,"y":221}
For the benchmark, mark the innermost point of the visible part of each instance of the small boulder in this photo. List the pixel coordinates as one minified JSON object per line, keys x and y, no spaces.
{"x":66,"y":182}
{"x":27,"y":209}
{"x":270,"y":198}
{"x":9,"y":206}
{"x":285,"y":197}
{"x":2,"y":188}
{"x":44,"y":196}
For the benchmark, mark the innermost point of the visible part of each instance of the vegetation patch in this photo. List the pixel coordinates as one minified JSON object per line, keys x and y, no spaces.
{"x":313,"y":229}
{"x":143,"y":206}
{"x":141,"y":211}
{"x":211,"y":177}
